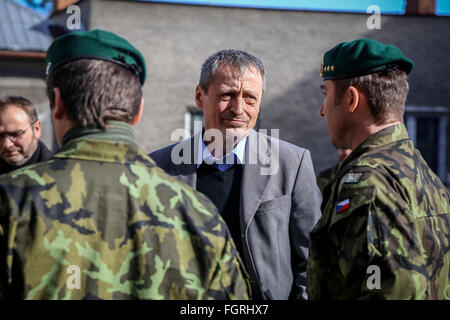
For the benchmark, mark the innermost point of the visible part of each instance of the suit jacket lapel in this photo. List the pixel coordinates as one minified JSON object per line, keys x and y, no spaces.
{"x":187,"y":172}
{"x":253,"y":182}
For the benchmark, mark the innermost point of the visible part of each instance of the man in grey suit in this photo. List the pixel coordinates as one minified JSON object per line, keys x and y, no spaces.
{"x":264,"y":188}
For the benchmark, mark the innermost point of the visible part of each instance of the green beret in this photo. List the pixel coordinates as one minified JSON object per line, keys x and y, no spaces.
{"x":95,"y":44}
{"x":361,"y":57}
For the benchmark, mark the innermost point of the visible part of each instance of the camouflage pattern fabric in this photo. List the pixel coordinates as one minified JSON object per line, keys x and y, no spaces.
{"x":324,"y":177}
{"x":133,"y":231}
{"x":396,"y":218}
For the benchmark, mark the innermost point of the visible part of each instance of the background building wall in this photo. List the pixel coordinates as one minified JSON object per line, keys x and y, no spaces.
{"x":176,"y":39}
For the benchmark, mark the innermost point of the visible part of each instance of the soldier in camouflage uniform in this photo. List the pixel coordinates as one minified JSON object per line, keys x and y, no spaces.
{"x":385,"y":230}
{"x":100,"y":220}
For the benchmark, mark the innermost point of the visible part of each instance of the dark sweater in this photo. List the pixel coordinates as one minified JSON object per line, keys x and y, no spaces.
{"x":223,"y":189}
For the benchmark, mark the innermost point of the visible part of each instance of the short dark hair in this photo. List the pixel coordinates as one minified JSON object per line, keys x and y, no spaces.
{"x":22,"y":103}
{"x":237,"y":58}
{"x":96,"y":91}
{"x":385,"y":93}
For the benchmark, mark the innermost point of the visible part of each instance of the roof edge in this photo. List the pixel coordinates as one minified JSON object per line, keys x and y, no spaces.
{"x":27,"y":9}
{"x":39,"y":55}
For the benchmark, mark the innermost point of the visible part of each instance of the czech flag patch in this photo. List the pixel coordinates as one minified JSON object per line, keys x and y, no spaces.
{"x":343,"y":205}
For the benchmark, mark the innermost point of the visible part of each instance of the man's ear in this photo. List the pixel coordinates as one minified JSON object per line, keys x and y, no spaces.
{"x":58,"y":104}
{"x":199,"y":93}
{"x":37,"y":129}
{"x":137,"y":118}
{"x":354,"y":98}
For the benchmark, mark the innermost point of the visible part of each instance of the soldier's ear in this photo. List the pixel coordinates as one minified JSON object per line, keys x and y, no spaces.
{"x":58,"y":104}
{"x":354,"y":98}
{"x":137,"y":118}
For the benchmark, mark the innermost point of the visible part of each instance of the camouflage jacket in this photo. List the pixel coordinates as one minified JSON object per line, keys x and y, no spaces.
{"x":385,"y":229}
{"x":101,"y":221}
{"x":324,"y":177}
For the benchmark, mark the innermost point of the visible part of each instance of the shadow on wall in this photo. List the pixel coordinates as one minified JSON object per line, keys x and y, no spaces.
{"x":422,"y":39}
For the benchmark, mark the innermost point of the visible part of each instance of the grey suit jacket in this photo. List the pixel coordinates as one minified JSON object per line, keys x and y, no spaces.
{"x":279,"y":206}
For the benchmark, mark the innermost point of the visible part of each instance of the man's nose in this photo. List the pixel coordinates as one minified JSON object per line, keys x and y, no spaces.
{"x":6,"y":142}
{"x":321,"y":110}
{"x":237,"y":105}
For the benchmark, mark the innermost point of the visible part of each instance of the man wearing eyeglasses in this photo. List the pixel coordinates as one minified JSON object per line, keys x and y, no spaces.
{"x":20,"y":131}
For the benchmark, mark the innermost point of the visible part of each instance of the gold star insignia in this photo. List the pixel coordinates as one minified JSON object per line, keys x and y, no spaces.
{"x":332,"y":68}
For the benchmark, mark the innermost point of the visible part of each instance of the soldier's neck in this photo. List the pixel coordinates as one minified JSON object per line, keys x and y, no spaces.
{"x":366,"y":130}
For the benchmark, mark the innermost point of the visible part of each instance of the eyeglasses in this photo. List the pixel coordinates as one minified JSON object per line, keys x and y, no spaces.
{"x":15,"y":135}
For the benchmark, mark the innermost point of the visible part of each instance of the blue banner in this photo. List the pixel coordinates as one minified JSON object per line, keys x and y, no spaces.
{"x":386,"y":6}
{"x":443,"y":7}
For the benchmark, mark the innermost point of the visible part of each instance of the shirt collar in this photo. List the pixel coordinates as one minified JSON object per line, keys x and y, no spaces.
{"x":204,"y":154}
{"x":388,"y":135}
{"x":115,"y":131}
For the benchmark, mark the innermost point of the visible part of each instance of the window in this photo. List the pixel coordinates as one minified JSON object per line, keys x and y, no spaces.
{"x":429,"y":129}
{"x":193,"y":120}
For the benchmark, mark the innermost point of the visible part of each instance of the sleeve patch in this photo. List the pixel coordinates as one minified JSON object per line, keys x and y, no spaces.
{"x":343,"y":205}
{"x":351,"y":177}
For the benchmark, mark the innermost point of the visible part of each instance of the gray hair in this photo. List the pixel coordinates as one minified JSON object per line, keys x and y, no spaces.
{"x":237,"y":58}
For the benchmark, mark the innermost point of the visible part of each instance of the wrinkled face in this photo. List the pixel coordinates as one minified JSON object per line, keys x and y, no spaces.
{"x":18,"y":137}
{"x":233,"y":100}
{"x":334,"y":115}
